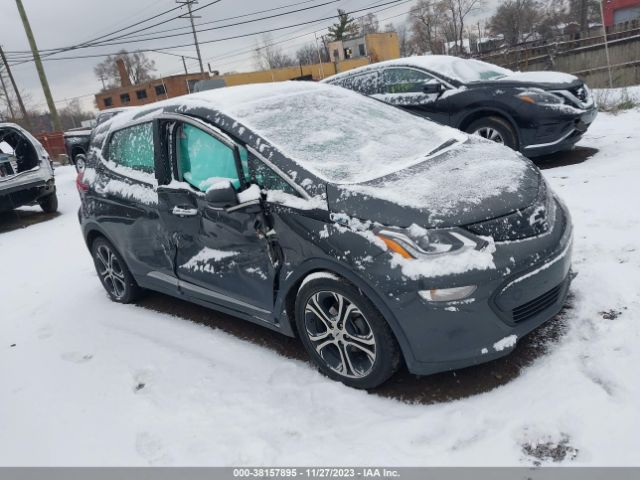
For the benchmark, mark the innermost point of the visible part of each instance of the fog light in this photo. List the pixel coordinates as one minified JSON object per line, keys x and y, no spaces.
{"x":447,"y":294}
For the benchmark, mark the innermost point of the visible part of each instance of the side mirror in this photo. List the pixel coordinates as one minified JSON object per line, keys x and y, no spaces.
{"x":221,"y":195}
{"x":433,"y":88}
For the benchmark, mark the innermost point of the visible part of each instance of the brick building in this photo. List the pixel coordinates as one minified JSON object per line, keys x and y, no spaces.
{"x":352,"y":53}
{"x":620,"y":11}
{"x":141,"y":94}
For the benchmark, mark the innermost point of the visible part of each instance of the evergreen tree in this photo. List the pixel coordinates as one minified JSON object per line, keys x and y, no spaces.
{"x":344,"y":28}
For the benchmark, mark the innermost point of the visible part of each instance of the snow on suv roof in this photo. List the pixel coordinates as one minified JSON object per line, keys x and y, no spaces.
{"x":334,"y":133}
{"x":454,"y":68}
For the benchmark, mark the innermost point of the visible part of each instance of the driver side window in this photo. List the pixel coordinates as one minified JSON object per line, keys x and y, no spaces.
{"x":266,"y":178}
{"x":404,"y":80}
{"x":204,"y":160}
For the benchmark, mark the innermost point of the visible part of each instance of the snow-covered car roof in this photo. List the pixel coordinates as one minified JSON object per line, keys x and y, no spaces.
{"x":454,"y":68}
{"x":335,"y":134}
{"x":464,"y":70}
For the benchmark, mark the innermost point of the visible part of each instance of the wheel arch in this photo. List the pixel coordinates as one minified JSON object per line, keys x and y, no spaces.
{"x":288,"y":294}
{"x":484,"y":112}
{"x":77,"y":149}
{"x":93,"y":231}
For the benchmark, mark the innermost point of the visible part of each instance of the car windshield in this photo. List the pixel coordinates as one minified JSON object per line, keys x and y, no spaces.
{"x":341,"y":136}
{"x":475,"y":71}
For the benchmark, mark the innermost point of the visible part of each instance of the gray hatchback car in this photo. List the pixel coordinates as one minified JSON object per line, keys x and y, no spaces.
{"x":374,"y":236}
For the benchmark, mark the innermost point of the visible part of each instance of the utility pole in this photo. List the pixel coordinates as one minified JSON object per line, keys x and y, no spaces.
{"x":6,"y":94}
{"x":36,"y":58}
{"x":319,"y":56}
{"x":184,"y":64}
{"x":25,"y":117}
{"x":189,"y":3}
{"x":606,"y":45}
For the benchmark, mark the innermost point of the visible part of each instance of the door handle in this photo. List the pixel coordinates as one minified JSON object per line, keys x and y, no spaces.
{"x":184,"y":212}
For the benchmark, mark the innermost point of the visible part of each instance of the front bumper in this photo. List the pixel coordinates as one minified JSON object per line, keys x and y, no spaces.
{"x":555,"y":134}
{"x":528,"y":287}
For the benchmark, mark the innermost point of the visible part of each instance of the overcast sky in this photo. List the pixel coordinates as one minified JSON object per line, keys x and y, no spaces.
{"x":61,"y":23}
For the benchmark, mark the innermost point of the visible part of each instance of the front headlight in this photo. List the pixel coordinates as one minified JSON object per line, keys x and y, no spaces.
{"x":417,"y":242}
{"x":540,"y":97}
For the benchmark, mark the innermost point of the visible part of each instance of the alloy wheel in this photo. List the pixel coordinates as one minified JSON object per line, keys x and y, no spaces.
{"x":340,"y":334}
{"x":490,"y":134}
{"x":110,"y":271}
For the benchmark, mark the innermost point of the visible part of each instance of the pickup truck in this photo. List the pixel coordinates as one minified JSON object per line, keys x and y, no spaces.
{"x":76,"y":140}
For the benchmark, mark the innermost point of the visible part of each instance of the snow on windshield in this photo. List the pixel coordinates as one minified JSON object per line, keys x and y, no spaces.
{"x":336,"y":134}
{"x":459,"y":69}
{"x":476,"y":71}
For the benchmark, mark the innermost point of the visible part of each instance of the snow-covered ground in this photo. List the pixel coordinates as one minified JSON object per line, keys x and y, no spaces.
{"x":84,"y":381}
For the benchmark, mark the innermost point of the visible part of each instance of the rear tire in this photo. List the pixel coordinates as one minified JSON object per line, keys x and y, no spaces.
{"x":344,"y":334}
{"x":113,"y":272}
{"x":495,"y":129}
{"x":49,"y":204}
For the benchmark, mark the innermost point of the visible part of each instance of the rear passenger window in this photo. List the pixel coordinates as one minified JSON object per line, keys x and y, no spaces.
{"x":133,"y":147}
{"x":204,"y":160}
{"x":366,"y":83}
{"x":404,"y":80}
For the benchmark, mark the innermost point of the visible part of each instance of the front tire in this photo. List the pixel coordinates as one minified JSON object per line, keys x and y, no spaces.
{"x":495,"y":129}
{"x":113,"y":272}
{"x":345,"y":336}
{"x":49,"y":204}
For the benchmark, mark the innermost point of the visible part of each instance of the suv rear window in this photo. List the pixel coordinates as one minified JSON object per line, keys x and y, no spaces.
{"x":133,"y":147}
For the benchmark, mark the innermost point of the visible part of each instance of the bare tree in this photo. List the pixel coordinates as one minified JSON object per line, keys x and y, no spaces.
{"x":426,"y":22}
{"x":369,"y":24}
{"x":516,"y":20}
{"x":456,"y":13}
{"x":406,"y":48}
{"x":73,"y":114}
{"x":583,"y":12}
{"x":554,"y":13}
{"x":309,"y":54}
{"x":268,"y":56}
{"x":139,"y":67}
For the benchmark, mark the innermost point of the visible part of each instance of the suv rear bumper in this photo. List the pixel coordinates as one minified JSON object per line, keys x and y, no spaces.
{"x":14,"y":196}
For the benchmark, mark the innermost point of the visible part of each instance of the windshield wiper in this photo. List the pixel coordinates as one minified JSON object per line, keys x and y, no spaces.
{"x":446,"y":144}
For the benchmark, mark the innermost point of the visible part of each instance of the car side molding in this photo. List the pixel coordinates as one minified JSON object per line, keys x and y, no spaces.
{"x":213,"y":295}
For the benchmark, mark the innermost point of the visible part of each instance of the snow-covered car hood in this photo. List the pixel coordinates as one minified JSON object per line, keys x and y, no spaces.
{"x":551,"y":79}
{"x":475,"y":181}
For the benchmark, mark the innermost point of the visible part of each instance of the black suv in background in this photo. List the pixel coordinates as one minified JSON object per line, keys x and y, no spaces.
{"x":537,"y":113}
{"x":376,"y":238}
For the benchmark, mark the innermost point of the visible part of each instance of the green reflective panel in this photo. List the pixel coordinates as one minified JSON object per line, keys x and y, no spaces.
{"x":133,"y":147}
{"x":404,"y":80}
{"x":204,"y":160}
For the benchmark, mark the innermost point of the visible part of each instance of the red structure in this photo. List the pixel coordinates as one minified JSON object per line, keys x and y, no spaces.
{"x":53,"y":143}
{"x":620,"y":11}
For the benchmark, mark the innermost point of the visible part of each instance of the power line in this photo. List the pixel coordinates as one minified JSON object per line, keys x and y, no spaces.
{"x":244,"y":52}
{"x":146,"y":37}
{"x":265,"y":46}
{"x":224,"y":19}
{"x":233,"y":37}
{"x":91,"y":43}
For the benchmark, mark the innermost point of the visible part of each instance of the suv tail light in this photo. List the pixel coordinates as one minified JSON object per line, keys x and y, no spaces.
{"x":80,"y":185}
{"x":81,"y":165}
